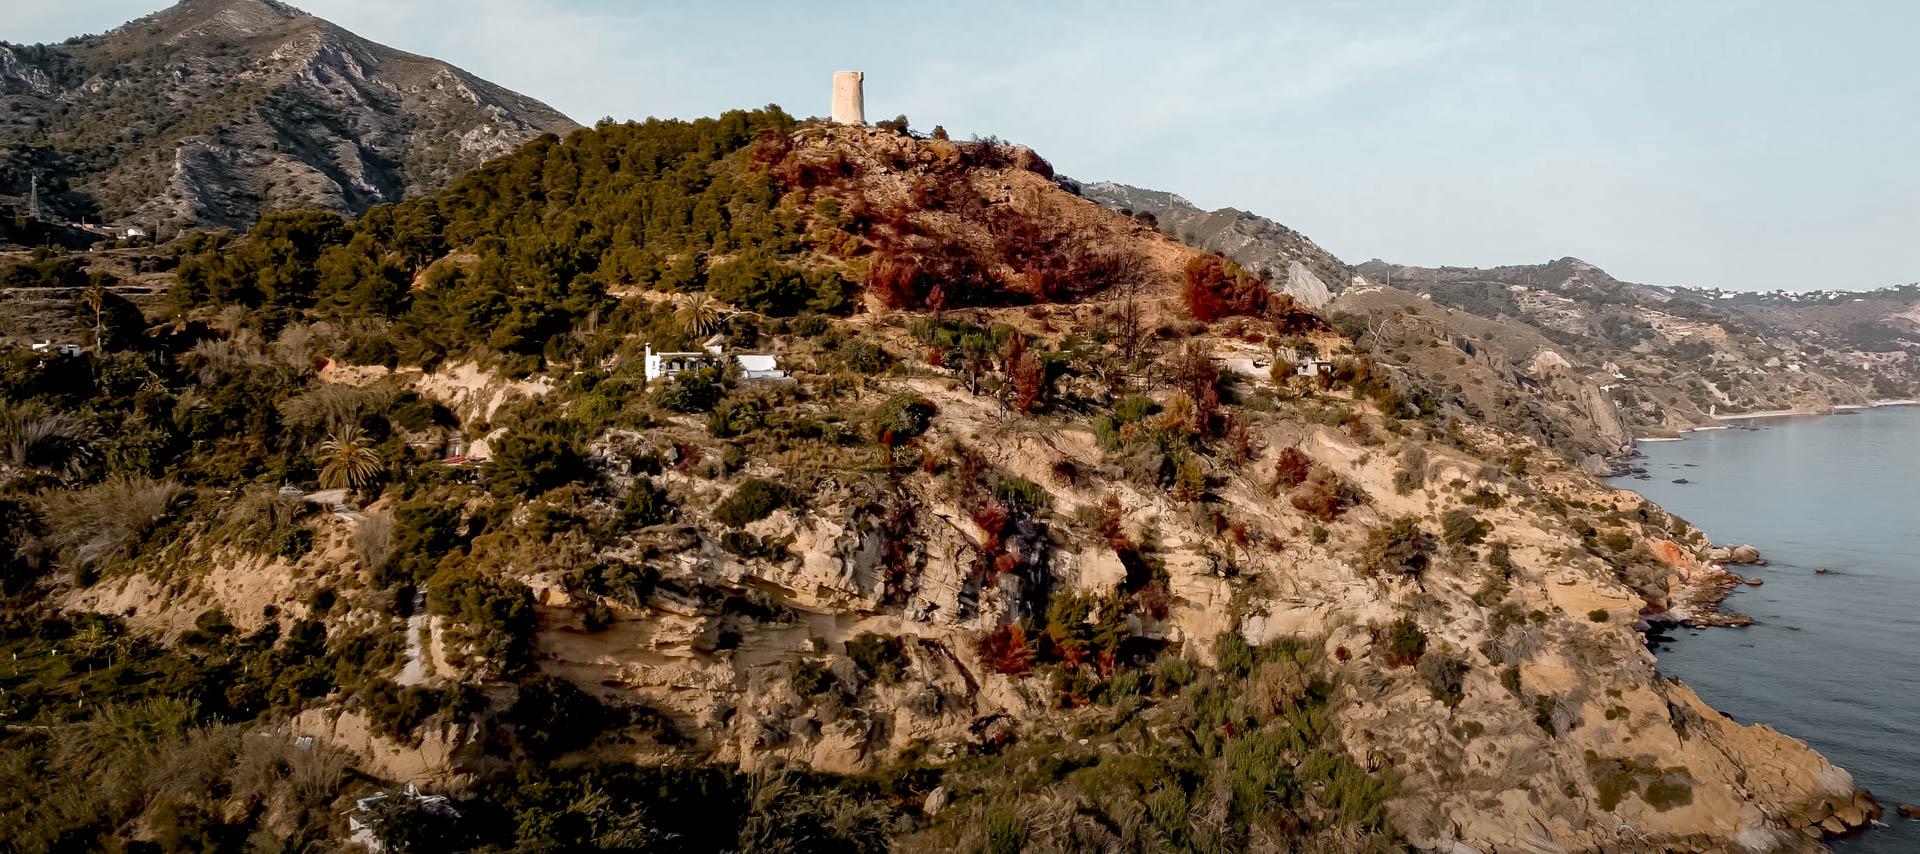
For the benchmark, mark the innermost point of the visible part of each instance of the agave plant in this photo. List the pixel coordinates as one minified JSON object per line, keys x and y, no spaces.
{"x":698,"y":315}
{"x":346,"y":460}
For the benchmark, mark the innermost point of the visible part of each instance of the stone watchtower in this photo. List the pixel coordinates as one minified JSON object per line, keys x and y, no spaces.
{"x":849,"y":101}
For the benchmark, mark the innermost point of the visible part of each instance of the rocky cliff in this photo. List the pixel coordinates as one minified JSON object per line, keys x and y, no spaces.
{"x":1282,"y":256}
{"x":212,"y":111}
{"x":1041,"y":587}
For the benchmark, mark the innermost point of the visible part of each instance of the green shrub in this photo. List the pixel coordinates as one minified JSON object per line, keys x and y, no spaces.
{"x":881,"y":657}
{"x":866,"y":357}
{"x":1500,"y":557}
{"x":1006,"y":831}
{"x":1484,"y":498}
{"x":293,"y":543}
{"x":736,"y":417}
{"x":810,"y":678}
{"x":754,"y":500}
{"x":1618,"y":541}
{"x":1598,"y":615}
{"x":902,"y":417}
{"x":749,"y":547}
{"x":646,"y":504}
{"x":552,"y":716}
{"x":422,"y":533}
{"x":691,"y":391}
{"x":1019,"y":493}
{"x":1510,"y":680}
{"x":1405,"y":643}
{"x":529,"y":462}
{"x":1400,"y":548}
{"x":1134,"y":407}
{"x":1233,"y":656}
{"x":1461,"y":528}
{"x":1445,"y":675}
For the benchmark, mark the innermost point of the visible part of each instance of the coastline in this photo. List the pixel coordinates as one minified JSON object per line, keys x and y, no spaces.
{"x":1788,"y":413}
{"x":1797,"y":682}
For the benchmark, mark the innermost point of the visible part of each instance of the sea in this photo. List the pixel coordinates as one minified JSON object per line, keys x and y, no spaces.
{"x":1832,"y":658}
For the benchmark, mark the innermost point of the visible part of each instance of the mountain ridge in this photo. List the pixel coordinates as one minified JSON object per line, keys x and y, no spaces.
{"x":210,"y":112}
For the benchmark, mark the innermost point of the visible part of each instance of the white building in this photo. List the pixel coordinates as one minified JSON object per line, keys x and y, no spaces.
{"x":752,"y":366}
{"x":665,"y":365}
{"x":759,"y":367}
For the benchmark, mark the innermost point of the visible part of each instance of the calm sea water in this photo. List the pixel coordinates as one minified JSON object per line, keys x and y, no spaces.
{"x":1833,"y":659}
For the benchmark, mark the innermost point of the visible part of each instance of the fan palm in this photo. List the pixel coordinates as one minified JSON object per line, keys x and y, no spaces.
{"x":94,"y":299}
{"x":346,"y":460}
{"x":697,"y":315}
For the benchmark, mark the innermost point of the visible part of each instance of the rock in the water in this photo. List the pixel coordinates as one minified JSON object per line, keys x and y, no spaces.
{"x":1744,"y":554}
{"x":1754,"y":582}
{"x":1819,"y":570}
{"x":1910,"y":811}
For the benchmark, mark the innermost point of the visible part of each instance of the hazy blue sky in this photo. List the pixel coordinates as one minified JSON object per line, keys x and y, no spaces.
{"x":1740,"y":144}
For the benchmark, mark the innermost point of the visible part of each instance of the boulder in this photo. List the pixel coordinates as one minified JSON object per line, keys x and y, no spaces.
{"x":1819,"y":570}
{"x":1744,"y":554}
{"x":936,"y":800}
{"x":1910,"y":811}
{"x":1754,"y":582}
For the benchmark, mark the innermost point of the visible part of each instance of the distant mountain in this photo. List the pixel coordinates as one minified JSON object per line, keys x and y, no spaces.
{"x":212,"y":111}
{"x":1674,"y":356}
{"x":1273,"y":251}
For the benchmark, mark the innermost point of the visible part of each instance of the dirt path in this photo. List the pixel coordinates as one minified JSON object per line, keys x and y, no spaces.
{"x":415,"y":671}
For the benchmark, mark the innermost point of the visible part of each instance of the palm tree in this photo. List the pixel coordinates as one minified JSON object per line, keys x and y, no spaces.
{"x":95,"y":300}
{"x":698,"y":315}
{"x":346,"y":460}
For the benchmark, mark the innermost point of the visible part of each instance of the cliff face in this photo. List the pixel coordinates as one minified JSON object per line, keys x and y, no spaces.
{"x":1284,"y":257}
{"x":212,"y":111}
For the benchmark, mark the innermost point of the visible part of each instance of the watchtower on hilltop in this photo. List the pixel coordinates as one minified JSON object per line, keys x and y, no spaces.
{"x":849,"y":98}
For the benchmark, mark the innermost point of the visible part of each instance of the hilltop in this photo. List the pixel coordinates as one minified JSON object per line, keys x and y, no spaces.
{"x":210,"y":112}
{"x":1057,"y":534}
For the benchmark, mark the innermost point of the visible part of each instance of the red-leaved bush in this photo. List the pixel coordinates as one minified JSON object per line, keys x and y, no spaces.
{"x":1006,"y":650}
{"x":1217,"y":288}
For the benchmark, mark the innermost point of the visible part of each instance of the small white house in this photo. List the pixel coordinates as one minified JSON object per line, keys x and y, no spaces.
{"x":132,"y":233}
{"x":1313,"y":367}
{"x":759,"y":367}
{"x":665,"y":365}
{"x":68,"y":350}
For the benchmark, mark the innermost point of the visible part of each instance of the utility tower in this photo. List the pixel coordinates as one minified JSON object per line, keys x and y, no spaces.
{"x":33,"y":198}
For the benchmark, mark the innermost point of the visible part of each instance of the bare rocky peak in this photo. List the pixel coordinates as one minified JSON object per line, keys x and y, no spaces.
{"x":212,"y":112}
{"x":1284,"y":257}
{"x":201,"y":18}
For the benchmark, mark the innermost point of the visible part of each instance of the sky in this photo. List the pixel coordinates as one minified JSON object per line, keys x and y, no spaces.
{"x":1743,"y":145}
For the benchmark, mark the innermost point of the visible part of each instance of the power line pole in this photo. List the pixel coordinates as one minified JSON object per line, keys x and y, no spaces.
{"x":33,"y":198}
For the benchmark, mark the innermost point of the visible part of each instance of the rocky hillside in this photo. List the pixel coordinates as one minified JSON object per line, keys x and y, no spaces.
{"x":1274,"y":252}
{"x":1042,"y":543}
{"x":1674,"y":357}
{"x":213,"y":111}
